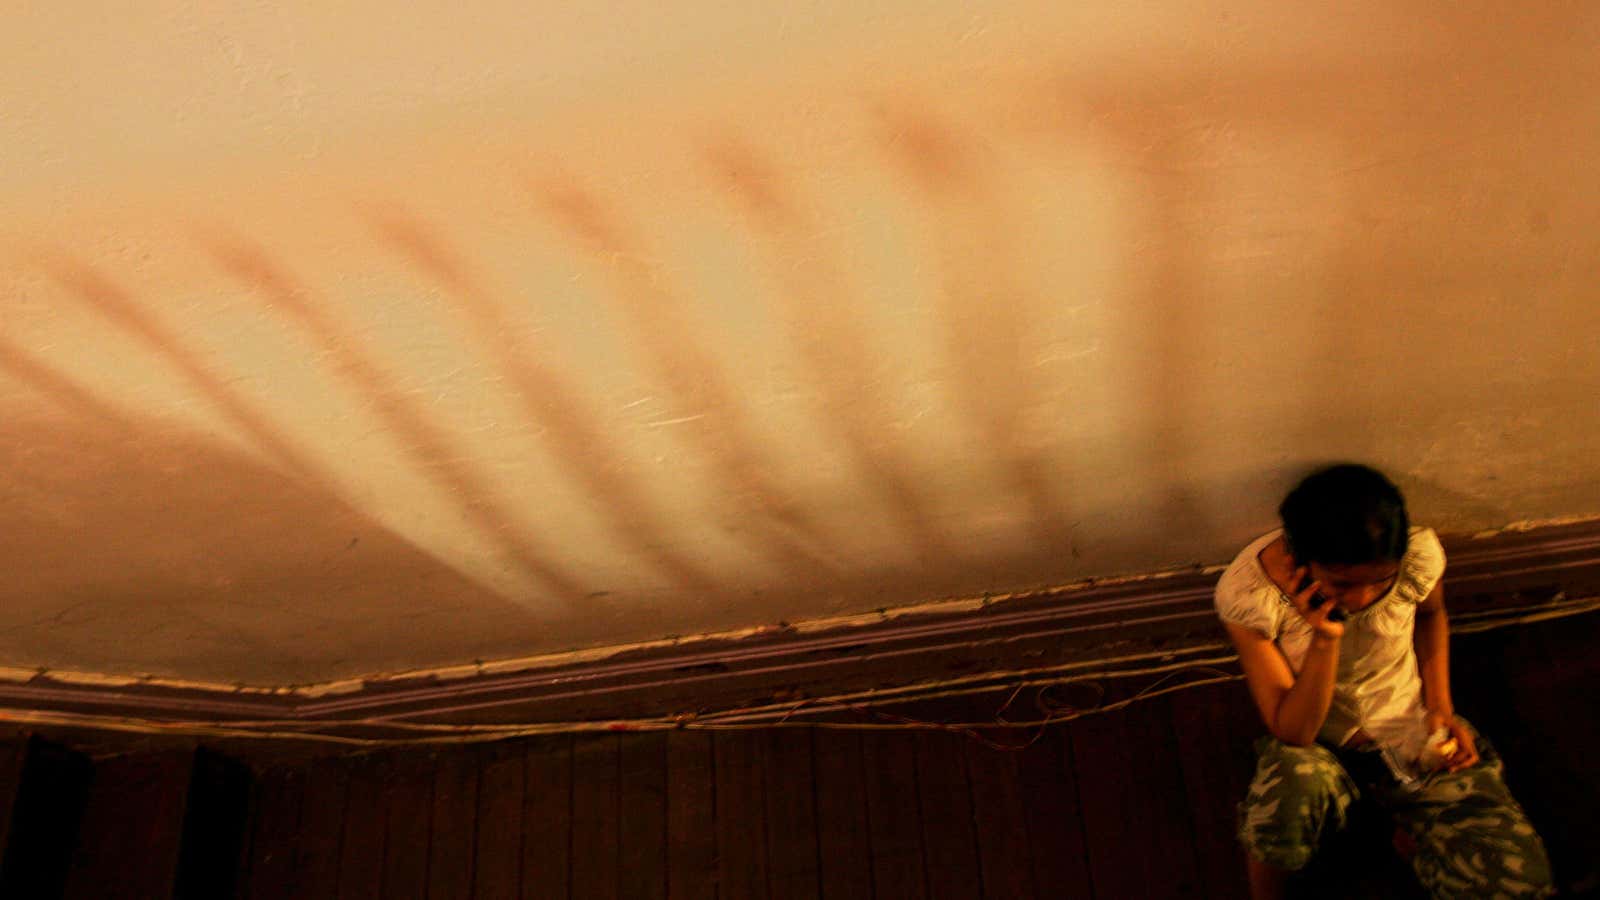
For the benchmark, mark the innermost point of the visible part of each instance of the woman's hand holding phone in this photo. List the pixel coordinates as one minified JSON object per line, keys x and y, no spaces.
{"x":1314,"y":608}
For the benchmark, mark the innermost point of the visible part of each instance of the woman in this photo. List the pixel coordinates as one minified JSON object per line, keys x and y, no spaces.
{"x":1340,"y":625}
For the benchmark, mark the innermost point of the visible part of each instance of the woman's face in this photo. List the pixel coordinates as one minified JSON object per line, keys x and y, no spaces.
{"x":1355,"y":587}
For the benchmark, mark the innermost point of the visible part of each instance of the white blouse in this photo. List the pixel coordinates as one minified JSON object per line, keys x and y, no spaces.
{"x":1377,"y":688}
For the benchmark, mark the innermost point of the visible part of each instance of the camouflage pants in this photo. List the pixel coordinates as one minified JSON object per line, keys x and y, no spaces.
{"x":1472,"y":838}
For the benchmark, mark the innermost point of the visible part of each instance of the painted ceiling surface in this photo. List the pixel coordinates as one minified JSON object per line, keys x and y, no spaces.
{"x":340,"y":341}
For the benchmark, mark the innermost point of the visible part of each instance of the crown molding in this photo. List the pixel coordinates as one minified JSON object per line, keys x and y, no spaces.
{"x":1169,"y":615}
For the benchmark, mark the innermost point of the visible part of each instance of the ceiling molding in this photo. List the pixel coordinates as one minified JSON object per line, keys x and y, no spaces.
{"x":1156,"y":617}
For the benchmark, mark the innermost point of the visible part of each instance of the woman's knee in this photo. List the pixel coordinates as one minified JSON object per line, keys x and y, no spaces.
{"x":1489,"y":855}
{"x":1480,"y":844}
{"x":1297,"y":795}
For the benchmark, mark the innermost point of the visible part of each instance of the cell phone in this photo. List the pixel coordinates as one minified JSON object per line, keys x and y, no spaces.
{"x":1338,"y":615}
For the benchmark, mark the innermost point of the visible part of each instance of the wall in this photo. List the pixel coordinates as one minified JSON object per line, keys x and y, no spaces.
{"x":339,"y":342}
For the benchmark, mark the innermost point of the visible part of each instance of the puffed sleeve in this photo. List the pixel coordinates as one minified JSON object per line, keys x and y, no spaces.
{"x":1242,"y":600}
{"x":1422,"y":566}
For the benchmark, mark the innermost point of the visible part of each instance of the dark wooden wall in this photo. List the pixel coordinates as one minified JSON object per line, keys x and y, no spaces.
{"x":1133,"y":803}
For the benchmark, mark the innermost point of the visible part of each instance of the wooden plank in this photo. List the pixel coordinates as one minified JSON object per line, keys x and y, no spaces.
{"x":365,"y":826}
{"x":1000,"y":819}
{"x":947,"y":832}
{"x":132,"y":827}
{"x":1215,"y":727}
{"x":642,"y":842}
{"x":455,"y":813}
{"x":547,"y":818}
{"x":498,"y":872}
{"x":215,"y":826}
{"x":274,"y":833}
{"x":741,"y":815}
{"x":691,"y":817}
{"x":244,"y":860}
{"x":842,"y":830}
{"x":1054,"y":817}
{"x":408,"y":824}
{"x":790,"y":779}
{"x":894,"y":817}
{"x":1131,"y":787}
{"x":13,"y":752}
{"x":596,"y":803}
{"x":317,"y":848}
{"x":1112,"y":833}
{"x":47,"y":811}
{"x":1155,"y":755}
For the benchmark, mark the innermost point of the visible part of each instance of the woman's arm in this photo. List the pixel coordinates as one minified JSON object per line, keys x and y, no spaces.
{"x":1432,"y":641}
{"x":1293,"y":707}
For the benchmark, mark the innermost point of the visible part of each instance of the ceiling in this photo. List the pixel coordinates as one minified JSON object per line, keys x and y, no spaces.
{"x":338,"y":342}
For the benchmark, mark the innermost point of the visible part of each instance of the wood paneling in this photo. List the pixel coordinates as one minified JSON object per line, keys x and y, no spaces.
{"x":741,"y":815}
{"x":691,"y":817}
{"x":642,"y":837}
{"x":1129,"y":803}
{"x":547,"y":819}
{"x":322,"y":817}
{"x":948,"y":837}
{"x":596,"y":817}
{"x":131,"y":836}
{"x":1055,"y":827}
{"x":1139,"y":836}
{"x":451,"y":849}
{"x":842,"y":828}
{"x":1000,"y":820}
{"x":792,"y":861}
{"x":497,"y":870}
{"x":408,"y":828}
{"x":894,"y":815}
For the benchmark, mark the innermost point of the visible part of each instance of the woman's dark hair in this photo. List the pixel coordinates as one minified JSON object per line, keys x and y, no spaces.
{"x":1345,"y":515}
